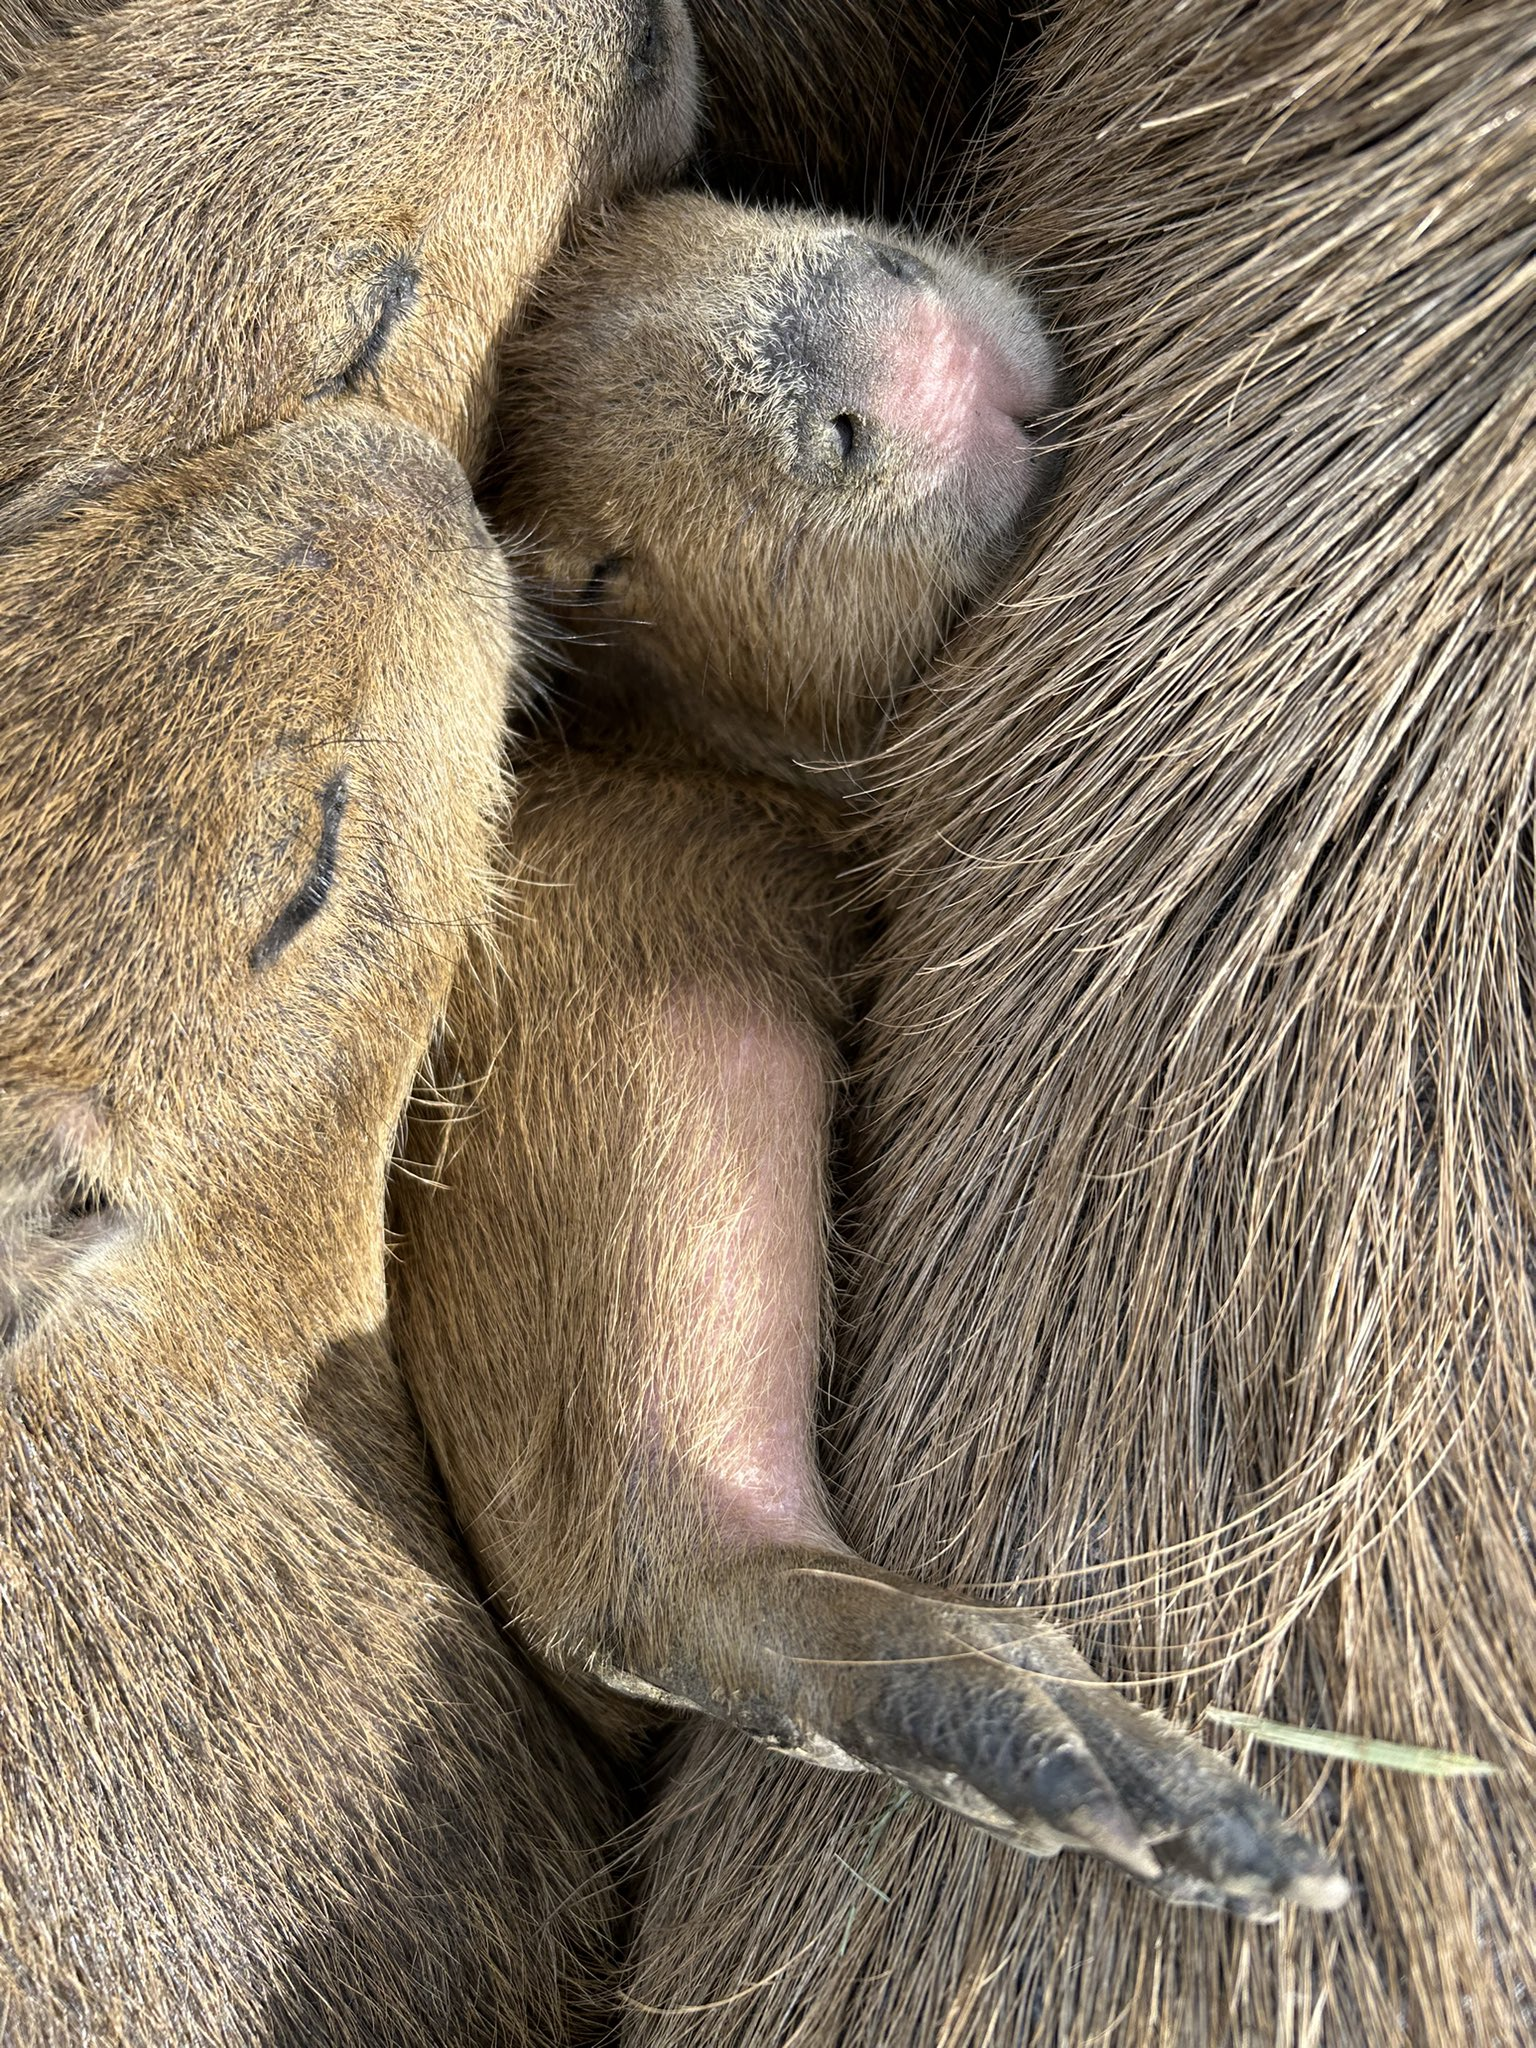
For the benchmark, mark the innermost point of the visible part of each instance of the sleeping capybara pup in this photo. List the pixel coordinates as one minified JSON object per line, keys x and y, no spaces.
{"x":775,"y":453}
{"x":1191,"y":1238}
{"x":209,"y":216}
{"x":268,"y":1773}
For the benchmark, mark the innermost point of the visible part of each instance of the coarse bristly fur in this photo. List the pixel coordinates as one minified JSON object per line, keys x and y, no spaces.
{"x":825,"y":104}
{"x":1191,"y":1293}
{"x":27,"y":25}
{"x":269,"y":1774}
{"x":208,"y":216}
{"x":776,"y":451}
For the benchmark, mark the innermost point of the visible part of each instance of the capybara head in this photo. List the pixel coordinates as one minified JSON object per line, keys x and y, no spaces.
{"x":787,"y":447}
{"x":247,"y":767}
{"x":210,"y":215}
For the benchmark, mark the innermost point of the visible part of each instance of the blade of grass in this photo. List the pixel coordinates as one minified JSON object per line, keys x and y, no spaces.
{"x":1357,"y":1749}
{"x":872,"y":1836}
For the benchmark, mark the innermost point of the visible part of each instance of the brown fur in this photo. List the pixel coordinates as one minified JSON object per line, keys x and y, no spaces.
{"x":612,"y":1316}
{"x":660,"y":447}
{"x":268,"y":1772}
{"x":844,"y":106}
{"x":207,"y":212}
{"x":1191,"y":1293}
{"x":28,"y":25}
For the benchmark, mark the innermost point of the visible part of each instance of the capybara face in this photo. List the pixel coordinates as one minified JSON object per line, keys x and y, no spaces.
{"x":246,"y":772}
{"x":789,"y":445}
{"x":209,"y":216}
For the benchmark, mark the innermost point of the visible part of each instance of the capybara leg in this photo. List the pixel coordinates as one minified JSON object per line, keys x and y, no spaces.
{"x":769,"y":1623}
{"x":613,"y":1318}
{"x":987,"y":1711}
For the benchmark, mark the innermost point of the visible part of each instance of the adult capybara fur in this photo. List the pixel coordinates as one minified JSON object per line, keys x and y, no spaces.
{"x":774,"y":452}
{"x":1191,"y":1290}
{"x":863,"y":107}
{"x":27,"y":25}
{"x":267,"y":1773}
{"x":210,"y":215}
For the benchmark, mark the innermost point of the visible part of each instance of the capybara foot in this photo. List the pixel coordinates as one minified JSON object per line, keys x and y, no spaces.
{"x":987,"y":1711}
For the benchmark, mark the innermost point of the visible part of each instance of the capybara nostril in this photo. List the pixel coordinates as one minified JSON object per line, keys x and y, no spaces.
{"x":843,"y":438}
{"x":922,"y":376}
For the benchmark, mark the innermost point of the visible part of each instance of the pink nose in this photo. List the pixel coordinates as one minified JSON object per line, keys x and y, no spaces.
{"x":947,"y":382}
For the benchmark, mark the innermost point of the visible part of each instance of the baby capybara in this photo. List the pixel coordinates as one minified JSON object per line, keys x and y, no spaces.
{"x":1190,"y":1234}
{"x":774,"y":454}
{"x":211,"y":216}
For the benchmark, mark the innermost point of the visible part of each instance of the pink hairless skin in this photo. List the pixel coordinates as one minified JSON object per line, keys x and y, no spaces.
{"x":950,"y":383}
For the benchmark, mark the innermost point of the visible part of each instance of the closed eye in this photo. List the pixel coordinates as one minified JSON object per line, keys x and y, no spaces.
{"x":600,"y":583}
{"x":391,"y":299}
{"x":309,"y":898}
{"x":647,"y":52}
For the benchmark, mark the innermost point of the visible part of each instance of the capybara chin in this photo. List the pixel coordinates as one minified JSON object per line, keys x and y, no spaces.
{"x":268,"y":1773}
{"x":208,"y":216}
{"x":798,"y":445}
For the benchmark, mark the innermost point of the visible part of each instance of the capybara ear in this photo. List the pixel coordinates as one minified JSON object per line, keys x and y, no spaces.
{"x":56,"y":1220}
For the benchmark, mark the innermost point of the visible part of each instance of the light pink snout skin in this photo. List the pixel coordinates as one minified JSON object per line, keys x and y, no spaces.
{"x":964,"y":380}
{"x":950,"y":382}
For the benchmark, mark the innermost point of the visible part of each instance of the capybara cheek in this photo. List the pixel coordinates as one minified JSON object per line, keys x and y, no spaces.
{"x":529,"y":164}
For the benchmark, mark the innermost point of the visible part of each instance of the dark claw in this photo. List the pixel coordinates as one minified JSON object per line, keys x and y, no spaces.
{"x":1068,"y":1789}
{"x":1243,"y":1852}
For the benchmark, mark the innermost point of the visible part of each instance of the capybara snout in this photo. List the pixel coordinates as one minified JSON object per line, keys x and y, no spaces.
{"x":821,"y":405}
{"x":894,"y":383}
{"x":346,"y":198}
{"x":276,"y":673}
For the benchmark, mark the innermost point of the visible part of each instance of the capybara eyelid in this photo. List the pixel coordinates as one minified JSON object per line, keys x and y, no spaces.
{"x":79,"y":1200}
{"x":647,"y":55}
{"x":397,"y":295}
{"x":596,"y":586}
{"x":309,"y":899}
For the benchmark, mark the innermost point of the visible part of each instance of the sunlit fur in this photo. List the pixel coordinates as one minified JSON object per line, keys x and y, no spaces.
{"x":27,"y":24}
{"x":200,"y":206}
{"x":269,"y":1773}
{"x":614,"y":1259}
{"x":1191,"y":1293}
